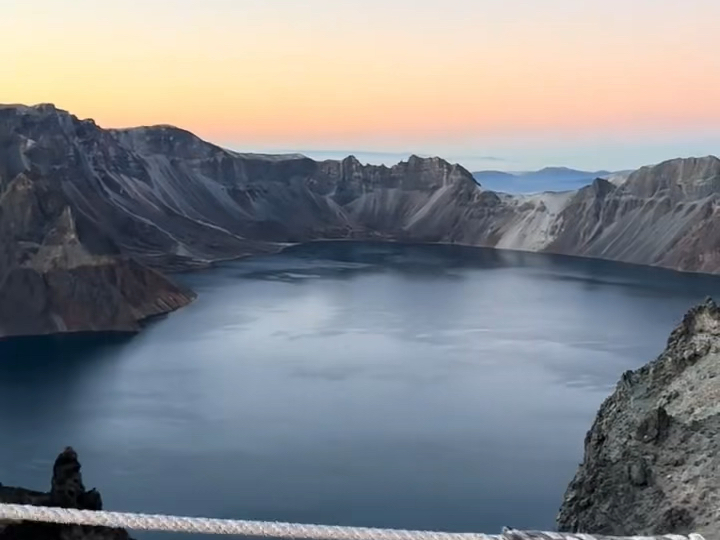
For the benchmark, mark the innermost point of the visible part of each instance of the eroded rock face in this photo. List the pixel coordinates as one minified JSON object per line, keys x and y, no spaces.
{"x":163,"y":195}
{"x":74,"y":195}
{"x":652,"y":456}
{"x":665,"y":215}
{"x":59,"y":274}
{"x":67,"y":491}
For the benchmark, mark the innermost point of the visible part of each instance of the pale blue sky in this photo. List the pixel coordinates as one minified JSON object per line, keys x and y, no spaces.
{"x":585,"y":83}
{"x":535,"y":153}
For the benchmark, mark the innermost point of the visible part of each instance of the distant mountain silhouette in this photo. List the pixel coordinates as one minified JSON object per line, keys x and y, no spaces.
{"x":89,"y":217}
{"x":547,"y":179}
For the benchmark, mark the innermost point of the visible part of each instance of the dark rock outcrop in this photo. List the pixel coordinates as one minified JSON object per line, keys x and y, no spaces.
{"x":652,"y":456}
{"x":59,"y":274}
{"x":67,"y":491}
{"x":85,"y":212}
{"x":665,"y":215}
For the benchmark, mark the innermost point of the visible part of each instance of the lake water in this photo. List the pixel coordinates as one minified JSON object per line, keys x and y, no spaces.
{"x":359,"y":384}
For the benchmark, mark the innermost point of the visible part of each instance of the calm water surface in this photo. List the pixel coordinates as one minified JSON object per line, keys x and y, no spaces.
{"x":357,"y":384}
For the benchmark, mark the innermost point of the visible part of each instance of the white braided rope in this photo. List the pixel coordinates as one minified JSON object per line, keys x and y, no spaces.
{"x":269,"y":529}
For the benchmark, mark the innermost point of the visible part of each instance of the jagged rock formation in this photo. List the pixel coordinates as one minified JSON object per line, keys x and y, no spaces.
{"x":60,"y":272}
{"x":66,"y":491}
{"x":77,"y":196}
{"x":666,"y":215}
{"x":58,"y":275}
{"x":652,"y":456}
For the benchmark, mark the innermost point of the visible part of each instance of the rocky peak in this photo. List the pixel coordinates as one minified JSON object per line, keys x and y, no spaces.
{"x":602,"y":187}
{"x":47,"y":108}
{"x":67,"y":491}
{"x":31,"y":211}
{"x":46,"y":140}
{"x":166,"y":140}
{"x":681,"y":177}
{"x":37,"y":109}
{"x":45,"y":113}
{"x":59,"y":273}
{"x":64,"y":230}
{"x":434,"y":172}
{"x":352,"y":161}
{"x":701,"y":319}
{"x":434,"y":162}
{"x":351,"y":166}
{"x":170,"y":200}
{"x":652,"y":458}
{"x":21,"y":215}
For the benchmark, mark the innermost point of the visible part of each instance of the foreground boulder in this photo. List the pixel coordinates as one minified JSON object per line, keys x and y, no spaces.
{"x":652,"y":463}
{"x":67,"y":491}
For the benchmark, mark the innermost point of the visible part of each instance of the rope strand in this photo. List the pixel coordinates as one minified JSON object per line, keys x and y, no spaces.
{"x":270,"y":529}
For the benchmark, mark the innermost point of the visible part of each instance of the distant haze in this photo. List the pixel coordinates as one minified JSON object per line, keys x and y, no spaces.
{"x":547,"y":179}
{"x":598,"y":84}
{"x":391,"y":158}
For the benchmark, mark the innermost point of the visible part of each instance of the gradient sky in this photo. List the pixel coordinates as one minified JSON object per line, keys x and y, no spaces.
{"x":503,"y":84}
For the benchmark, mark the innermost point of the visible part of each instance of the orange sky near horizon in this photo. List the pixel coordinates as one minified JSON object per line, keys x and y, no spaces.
{"x":349,"y":72}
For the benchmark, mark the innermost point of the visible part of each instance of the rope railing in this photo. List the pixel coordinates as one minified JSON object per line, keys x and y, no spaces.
{"x":271,"y":529}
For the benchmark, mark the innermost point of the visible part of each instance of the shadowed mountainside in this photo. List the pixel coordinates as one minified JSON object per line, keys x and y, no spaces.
{"x":66,"y":491}
{"x":88,"y":216}
{"x":651,"y":457}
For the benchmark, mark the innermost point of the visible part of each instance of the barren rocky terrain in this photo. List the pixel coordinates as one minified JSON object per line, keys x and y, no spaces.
{"x":652,"y":460}
{"x":90,"y":216}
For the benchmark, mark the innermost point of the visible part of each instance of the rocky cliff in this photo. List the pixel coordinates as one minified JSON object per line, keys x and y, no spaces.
{"x":666,"y":215}
{"x":58,"y":274}
{"x":652,"y":456}
{"x":66,"y":491}
{"x":124,"y":201}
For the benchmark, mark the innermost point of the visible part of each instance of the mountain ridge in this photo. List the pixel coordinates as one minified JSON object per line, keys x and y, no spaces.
{"x":555,"y":178}
{"x":650,"y":462}
{"x":162,"y":198}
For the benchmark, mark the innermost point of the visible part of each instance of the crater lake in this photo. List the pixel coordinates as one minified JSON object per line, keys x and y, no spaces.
{"x":385,"y":385}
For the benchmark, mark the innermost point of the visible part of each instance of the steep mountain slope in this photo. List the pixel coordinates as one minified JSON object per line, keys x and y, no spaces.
{"x":173,"y":201}
{"x":665,"y":215}
{"x":651,"y":462}
{"x":58,"y":275}
{"x":66,"y":491}
{"x":160,"y":197}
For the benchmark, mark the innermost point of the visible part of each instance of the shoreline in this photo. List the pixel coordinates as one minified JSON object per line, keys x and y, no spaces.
{"x":281,"y":247}
{"x":479,"y":246}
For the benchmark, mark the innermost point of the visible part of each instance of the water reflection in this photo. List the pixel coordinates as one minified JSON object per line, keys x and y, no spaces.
{"x":366,"y":384}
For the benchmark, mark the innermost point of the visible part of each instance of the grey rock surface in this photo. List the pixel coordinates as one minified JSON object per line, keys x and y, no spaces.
{"x":67,"y":491}
{"x":652,"y":456}
{"x":57,"y":274}
{"x":666,"y":215}
{"x":85,"y":212}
